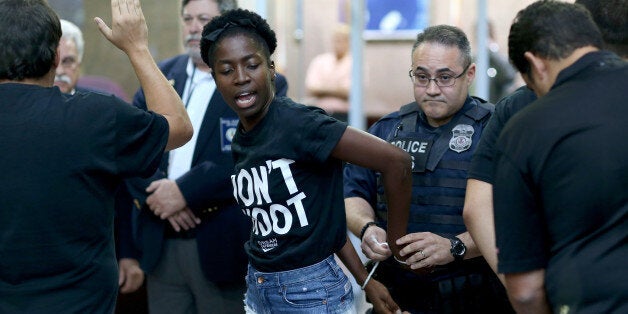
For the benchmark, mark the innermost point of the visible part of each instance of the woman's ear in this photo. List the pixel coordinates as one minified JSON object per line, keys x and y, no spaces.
{"x":273,"y":73}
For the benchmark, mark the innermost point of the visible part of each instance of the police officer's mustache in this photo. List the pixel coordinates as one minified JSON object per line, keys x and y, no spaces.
{"x":62,"y":78}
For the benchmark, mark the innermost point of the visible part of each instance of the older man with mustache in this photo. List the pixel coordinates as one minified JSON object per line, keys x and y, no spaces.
{"x":71,"y":48}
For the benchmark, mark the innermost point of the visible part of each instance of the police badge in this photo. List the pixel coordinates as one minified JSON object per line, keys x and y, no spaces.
{"x":461,"y":138}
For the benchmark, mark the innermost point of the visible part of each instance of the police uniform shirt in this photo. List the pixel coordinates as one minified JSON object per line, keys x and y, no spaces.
{"x":362,"y":182}
{"x":287,"y":183}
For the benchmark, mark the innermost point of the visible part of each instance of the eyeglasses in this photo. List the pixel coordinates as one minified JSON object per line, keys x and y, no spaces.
{"x":442,"y":80}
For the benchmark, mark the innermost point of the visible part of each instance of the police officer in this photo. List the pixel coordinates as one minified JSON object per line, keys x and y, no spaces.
{"x":441,"y":270}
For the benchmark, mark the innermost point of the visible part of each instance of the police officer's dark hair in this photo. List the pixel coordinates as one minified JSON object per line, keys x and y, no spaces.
{"x":223,"y":5}
{"x":237,"y":22}
{"x":552,"y":30}
{"x":446,"y":35}
{"x":611,"y":17}
{"x":30,"y":36}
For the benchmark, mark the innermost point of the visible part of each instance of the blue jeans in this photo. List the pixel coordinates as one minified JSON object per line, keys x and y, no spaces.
{"x":318,"y":288}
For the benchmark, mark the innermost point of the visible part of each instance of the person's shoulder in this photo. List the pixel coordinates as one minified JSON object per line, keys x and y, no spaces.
{"x":395,"y":115}
{"x":385,"y":123}
{"x":478,"y":108}
{"x":173,"y":61}
{"x":287,"y":114}
{"x":514,"y":102}
{"x":288,"y":107}
{"x":286,"y":103}
{"x":521,"y":94}
{"x":95,"y":99}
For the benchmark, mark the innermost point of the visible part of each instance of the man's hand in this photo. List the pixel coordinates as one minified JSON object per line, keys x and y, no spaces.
{"x":166,"y":198}
{"x":131,"y":276}
{"x":380,"y":298}
{"x":128,"y":29}
{"x":184,"y":219}
{"x":374,"y":244}
{"x":425,"y":250}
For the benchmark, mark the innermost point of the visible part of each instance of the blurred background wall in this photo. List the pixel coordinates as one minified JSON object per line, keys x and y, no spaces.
{"x":304,"y":29}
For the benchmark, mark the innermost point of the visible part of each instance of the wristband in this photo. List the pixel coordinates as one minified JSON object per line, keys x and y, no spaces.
{"x":366,"y":226}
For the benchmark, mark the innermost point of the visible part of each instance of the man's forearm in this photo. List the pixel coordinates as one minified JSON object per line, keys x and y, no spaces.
{"x":359,"y":212}
{"x":478,"y":218}
{"x":351,"y":260}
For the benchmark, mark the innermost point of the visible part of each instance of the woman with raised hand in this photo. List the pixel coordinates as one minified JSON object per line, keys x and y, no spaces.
{"x":288,"y":179}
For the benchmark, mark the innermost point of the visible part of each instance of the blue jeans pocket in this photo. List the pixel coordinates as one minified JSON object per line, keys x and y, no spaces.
{"x":330,"y":294}
{"x":305,"y":294}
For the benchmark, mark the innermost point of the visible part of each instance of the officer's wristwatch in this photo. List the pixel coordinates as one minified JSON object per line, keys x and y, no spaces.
{"x":458,"y":249}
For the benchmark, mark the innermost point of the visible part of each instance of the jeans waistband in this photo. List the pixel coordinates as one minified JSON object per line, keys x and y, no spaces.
{"x":275,"y":279}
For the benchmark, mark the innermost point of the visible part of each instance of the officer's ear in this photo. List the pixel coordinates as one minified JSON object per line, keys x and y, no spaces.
{"x":470,"y":74}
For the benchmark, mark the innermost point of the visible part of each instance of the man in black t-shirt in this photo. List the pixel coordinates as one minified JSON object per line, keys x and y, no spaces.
{"x":561,"y":180}
{"x":64,"y":155}
{"x":478,"y":208}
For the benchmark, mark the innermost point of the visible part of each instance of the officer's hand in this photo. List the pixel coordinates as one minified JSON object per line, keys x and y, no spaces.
{"x":131,"y":276}
{"x":374,"y":244}
{"x":166,"y":198}
{"x":184,"y":219}
{"x":380,"y":298}
{"x":425,"y":250}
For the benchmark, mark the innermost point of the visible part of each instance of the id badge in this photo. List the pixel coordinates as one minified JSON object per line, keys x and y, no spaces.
{"x":227,"y":131}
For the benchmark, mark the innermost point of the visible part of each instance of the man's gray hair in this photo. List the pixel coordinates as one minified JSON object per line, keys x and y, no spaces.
{"x":223,"y":5}
{"x":71,"y":31}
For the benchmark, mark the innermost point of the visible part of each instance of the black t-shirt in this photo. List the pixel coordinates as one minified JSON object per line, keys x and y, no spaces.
{"x":62,"y":159}
{"x":561,"y":188}
{"x":483,"y":163}
{"x":286,"y":181}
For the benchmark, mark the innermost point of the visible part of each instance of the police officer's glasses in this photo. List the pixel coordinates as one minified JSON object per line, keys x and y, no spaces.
{"x":420,"y":78}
